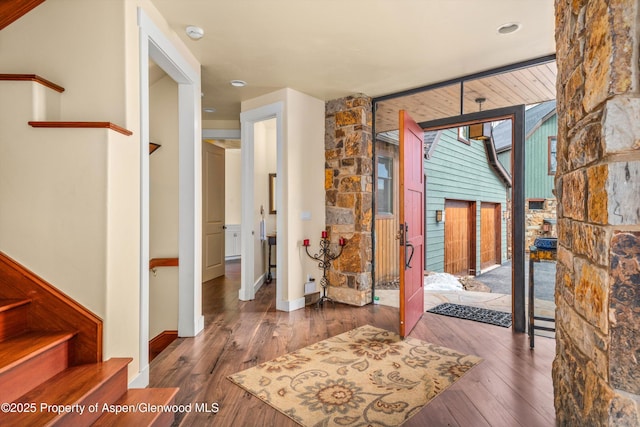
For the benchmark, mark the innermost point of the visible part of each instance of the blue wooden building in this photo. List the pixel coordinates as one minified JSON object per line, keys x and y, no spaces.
{"x":466,"y":204}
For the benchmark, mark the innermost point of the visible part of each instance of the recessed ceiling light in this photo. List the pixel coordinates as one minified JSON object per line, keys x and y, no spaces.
{"x":194,"y":33}
{"x":508,"y":28}
{"x":238,"y":83}
{"x":209,"y":110}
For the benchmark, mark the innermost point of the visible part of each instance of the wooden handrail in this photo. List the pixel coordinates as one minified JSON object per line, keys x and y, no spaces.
{"x":163,"y":262}
{"x":103,"y":125}
{"x":32,"y":78}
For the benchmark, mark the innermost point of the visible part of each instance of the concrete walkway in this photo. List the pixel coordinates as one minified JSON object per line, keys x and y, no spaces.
{"x":499,"y":279}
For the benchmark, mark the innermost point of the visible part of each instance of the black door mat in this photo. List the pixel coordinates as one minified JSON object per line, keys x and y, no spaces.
{"x":484,"y":315}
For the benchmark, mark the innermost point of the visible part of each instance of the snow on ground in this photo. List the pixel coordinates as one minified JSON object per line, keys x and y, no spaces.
{"x":442,"y":282}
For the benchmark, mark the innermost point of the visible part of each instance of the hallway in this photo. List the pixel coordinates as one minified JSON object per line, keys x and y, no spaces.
{"x":511,"y":387}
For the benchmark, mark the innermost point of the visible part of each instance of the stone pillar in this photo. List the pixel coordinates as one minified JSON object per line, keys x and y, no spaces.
{"x":349,"y":196}
{"x":534,"y":222}
{"x":596,"y":372}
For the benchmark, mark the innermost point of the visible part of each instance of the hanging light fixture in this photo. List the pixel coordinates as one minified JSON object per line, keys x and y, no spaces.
{"x":480,"y":131}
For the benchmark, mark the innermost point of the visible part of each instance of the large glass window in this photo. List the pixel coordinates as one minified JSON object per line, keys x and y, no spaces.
{"x":384,"y":200}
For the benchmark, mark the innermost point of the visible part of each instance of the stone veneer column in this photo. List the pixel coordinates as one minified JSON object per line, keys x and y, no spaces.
{"x":596,"y":372}
{"x":534,"y":222}
{"x":349,"y":187}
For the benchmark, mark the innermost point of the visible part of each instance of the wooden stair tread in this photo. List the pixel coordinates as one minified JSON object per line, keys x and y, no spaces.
{"x":147,"y":397}
{"x":69,"y":387}
{"x":8,"y":304}
{"x":71,"y":384}
{"x":23,"y":347}
{"x":14,"y":317}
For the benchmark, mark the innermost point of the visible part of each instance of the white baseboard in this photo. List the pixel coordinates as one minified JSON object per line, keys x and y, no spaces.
{"x":258,"y":284}
{"x":141,"y":380}
{"x":296,"y":304}
{"x":199,"y":324}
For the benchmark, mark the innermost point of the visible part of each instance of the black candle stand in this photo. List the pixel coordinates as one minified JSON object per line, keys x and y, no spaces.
{"x":324,"y":258}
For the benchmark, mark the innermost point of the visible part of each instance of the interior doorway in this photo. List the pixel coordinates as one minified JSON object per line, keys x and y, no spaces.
{"x":156,"y":47}
{"x":226,"y":196}
{"x":213,"y":211}
{"x":262,"y":139}
{"x":163,"y":210}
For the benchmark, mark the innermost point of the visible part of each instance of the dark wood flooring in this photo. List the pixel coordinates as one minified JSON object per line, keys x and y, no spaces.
{"x":511,"y":387}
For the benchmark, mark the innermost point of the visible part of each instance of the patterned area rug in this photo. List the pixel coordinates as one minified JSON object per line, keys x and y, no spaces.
{"x":484,"y":315}
{"x":367,"y":376}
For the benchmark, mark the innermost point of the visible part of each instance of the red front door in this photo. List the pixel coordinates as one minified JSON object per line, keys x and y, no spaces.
{"x":411,"y":224}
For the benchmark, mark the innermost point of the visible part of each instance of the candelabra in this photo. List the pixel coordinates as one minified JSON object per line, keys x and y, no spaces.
{"x":324,"y":258}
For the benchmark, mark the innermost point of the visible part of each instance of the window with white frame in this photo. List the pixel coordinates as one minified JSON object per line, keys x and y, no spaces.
{"x":463,"y":135}
{"x":384,"y":199}
{"x":553,"y":163}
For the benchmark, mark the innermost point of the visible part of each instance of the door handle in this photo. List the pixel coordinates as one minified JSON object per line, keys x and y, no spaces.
{"x":404,"y":241}
{"x":224,"y":227}
{"x":410,"y":257}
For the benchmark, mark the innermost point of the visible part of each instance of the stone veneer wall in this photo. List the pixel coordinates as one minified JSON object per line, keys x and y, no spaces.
{"x":596,"y":372}
{"x":349,"y":196}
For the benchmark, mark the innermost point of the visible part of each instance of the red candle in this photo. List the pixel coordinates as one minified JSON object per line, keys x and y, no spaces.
{"x":342,"y":242}
{"x":324,"y":234}
{"x":305,"y":242}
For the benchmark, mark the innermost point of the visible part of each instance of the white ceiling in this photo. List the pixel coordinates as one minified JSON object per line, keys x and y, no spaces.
{"x":334,"y":48}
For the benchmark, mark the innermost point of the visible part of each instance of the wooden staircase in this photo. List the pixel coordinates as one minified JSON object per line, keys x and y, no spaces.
{"x":40,"y":377}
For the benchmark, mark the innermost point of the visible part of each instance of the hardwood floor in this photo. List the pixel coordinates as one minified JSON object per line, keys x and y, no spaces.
{"x":511,"y":387}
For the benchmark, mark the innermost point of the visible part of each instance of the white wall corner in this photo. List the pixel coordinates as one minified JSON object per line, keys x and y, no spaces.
{"x":141,"y":380}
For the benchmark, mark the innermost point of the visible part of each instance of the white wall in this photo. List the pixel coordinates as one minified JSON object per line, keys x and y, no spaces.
{"x":221,"y":124}
{"x":305,"y":184}
{"x":163,"y":203}
{"x":233,"y":170}
{"x":270,"y":160}
{"x":302,"y":184}
{"x":47,"y":42}
{"x":53,"y":192}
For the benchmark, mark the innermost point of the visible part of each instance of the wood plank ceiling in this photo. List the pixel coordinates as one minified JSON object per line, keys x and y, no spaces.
{"x":529,"y":85}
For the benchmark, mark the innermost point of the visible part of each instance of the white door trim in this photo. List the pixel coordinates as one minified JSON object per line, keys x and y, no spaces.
{"x":247,"y":121}
{"x":155,"y":45}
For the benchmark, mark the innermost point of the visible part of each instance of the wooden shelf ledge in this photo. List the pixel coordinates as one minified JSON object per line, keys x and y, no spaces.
{"x":98,"y":125}
{"x":32,"y":78}
{"x":163,"y":262}
{"x":153,"y":147}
